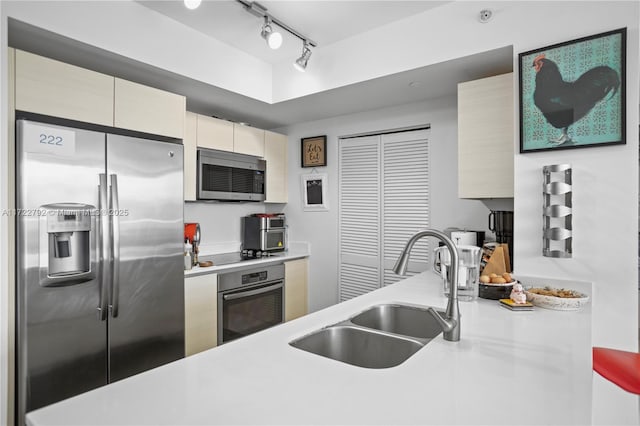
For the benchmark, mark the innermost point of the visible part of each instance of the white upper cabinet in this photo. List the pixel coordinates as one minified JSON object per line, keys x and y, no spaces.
{"x":224,"y":135}
{"x":146,"y":109}
{"x":190,"y":160}
{"x":50,"y":87}
{"x":275,"y":154}
{"x":486,"y":138}
{"x":248,"y":140}
{"x":215,"y":133}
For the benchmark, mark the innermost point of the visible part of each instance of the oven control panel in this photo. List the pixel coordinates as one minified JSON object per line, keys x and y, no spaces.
{"x":229,"y":281}
{"x":254,"y":277}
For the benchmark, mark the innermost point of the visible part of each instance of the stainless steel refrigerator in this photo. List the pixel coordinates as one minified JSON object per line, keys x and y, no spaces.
{"x":100,"y":281}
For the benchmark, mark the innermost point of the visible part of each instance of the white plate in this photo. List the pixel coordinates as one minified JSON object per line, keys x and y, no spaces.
{"x":558,"y":303}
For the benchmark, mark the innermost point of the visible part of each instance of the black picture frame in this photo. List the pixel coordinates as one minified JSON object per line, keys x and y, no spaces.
{"x":587,"y":108}
{"x":313,"y":151}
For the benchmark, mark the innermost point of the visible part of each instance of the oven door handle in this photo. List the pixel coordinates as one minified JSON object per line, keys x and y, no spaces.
{"x":248,"y":293}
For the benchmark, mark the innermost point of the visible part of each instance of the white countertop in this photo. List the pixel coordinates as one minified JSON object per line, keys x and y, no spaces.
{"x":508,"y":368}
{"x":284,"y":256}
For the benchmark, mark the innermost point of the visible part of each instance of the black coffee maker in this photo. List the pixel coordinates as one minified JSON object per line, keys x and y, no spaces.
{"x":501,"y":223}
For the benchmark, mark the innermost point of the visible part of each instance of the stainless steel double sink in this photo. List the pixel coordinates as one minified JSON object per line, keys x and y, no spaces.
{"x":382,"y":336}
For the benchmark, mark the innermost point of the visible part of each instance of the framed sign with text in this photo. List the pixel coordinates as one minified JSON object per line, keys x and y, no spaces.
{"x":314,"y":151}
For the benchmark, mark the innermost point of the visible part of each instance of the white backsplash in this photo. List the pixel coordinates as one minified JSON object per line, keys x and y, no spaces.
{"x":219,"y":223}
{"x":218,"y":248}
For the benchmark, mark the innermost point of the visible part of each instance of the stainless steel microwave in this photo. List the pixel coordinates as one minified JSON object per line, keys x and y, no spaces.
{"x":229,"y":176}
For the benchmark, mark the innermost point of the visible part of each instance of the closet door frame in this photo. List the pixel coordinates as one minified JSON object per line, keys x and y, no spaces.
{"x":367,"y":263}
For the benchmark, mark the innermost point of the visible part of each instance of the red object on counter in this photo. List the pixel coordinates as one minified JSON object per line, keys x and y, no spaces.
{"x":619,"y":367}
{"x":192,"y":232}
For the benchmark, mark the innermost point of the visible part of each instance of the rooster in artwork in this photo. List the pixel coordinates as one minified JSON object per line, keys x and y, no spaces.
{"x":563,"y":103}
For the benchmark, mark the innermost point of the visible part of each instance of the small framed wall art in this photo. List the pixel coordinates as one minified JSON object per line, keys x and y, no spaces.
{"x":572,"y":94}
{"x":314,"y":151}
{"x":314,"y":192}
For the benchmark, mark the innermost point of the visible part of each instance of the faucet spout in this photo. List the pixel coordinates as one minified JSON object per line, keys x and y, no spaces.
{"x":448,"y":325}
{"x":451,"y":322}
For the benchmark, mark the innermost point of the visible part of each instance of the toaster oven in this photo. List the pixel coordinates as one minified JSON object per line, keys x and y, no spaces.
{"x":264,"y":232}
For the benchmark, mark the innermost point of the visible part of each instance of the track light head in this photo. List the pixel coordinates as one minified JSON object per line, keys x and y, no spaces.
{"x":192,"y":4}
{"x":301,"y":63}
{"x":273,"y":38}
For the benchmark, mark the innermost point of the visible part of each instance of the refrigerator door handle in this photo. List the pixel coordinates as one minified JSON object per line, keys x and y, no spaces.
{"x":103,"y":244}
{"x":115,"y":233}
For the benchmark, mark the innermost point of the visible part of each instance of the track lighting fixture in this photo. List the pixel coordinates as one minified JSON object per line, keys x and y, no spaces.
{"x":301,"y":63}
{"x":192,"y":4}
{"x":273,"y":38}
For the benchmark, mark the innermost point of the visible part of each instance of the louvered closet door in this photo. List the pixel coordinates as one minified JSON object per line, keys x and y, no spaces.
{"x":359,"y":217}
{"x":405,"y":199}
{"x":384,"y":199}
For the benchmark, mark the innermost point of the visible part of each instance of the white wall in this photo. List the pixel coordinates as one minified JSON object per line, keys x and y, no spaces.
{"x":605,"y":200}
{"x":605,"y":186}
{"x":444,"y":33}
{"x":219,"y":222}
{"x":321,"y":228}
{"x":134,"y":31}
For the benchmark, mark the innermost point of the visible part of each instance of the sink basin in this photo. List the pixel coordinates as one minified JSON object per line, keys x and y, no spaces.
{"x":400,"y":319}
{"x":357,"y":346}
{"x":382,"y":336}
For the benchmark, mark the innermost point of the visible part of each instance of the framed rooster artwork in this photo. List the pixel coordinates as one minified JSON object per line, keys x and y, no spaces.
{"x":572,"y":94}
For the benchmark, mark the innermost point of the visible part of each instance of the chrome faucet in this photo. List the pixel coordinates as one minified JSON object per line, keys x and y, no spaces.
{"x":451,"y":322}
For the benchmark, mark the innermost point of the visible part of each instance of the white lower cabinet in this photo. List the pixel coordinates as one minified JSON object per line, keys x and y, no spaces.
{"x":295,"y":288}
{"x":200,"y":313}
{"x":201,"y":299}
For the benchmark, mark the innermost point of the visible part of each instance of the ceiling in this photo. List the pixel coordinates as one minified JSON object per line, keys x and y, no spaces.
{"x":316,"y":21}
{"x":324,"y":22}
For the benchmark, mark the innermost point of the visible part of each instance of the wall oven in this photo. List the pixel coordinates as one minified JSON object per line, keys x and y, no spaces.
{"x":249,"y":300}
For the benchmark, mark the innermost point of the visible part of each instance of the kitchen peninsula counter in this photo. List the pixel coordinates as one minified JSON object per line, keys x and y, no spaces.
{"x":509,"y":368}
